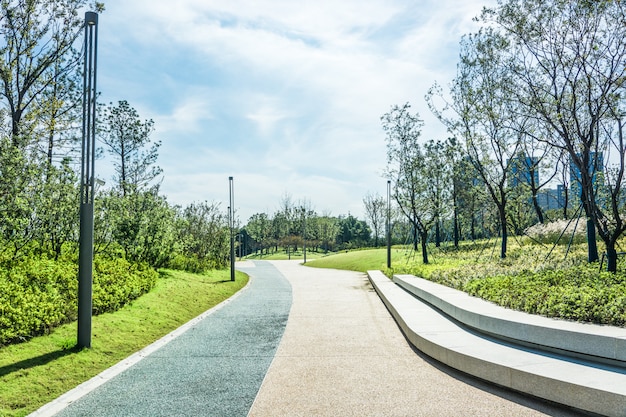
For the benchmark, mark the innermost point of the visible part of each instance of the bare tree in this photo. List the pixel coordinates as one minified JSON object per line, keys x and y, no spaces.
{"x":376,"y":214}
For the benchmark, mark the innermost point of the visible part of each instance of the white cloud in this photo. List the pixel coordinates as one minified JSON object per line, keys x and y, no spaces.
{"x":286,"y":96}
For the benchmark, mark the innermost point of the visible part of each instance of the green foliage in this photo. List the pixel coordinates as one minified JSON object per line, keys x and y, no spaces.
{"x":127,"y":138}
{"x":39,"y":294}
{"x":202,"y":233}
{"x":117,"y":282}
{"x":40,"y":370}
{"x":579,"y":293}
{"x":140,"y":223}
{"x":353,"y":233}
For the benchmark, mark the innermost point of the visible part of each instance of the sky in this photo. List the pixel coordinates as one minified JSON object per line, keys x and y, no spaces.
{"x":284,"y":96}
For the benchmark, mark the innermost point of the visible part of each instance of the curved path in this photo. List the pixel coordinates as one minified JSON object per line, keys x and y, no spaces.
{"x":341,"y":354}
{"x":214,"y":368}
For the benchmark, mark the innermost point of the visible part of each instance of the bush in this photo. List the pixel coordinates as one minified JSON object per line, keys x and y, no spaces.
{"x":580,"y":293}
{"x":549,"y":233}
{"x":39,"y":294}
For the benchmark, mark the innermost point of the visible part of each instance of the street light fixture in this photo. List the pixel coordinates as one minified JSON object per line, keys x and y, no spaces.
{"x":231,"y":224}
{"x":87,"y":183}
{"x":388,"y":224}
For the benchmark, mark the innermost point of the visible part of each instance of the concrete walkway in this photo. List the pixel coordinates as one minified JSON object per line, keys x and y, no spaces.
{"x":341,"y":354}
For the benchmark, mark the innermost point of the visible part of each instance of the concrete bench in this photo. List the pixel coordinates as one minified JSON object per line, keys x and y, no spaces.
{"x":584,"y":385}
{"x":594,"y":342}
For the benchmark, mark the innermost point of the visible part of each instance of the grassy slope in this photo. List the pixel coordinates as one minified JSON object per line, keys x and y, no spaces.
{"x":36,"y":372}
{"x":362,"y":260}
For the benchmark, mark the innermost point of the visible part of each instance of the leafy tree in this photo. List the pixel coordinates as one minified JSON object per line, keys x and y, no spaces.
{"x":259,"y":228}
{"x":57,"y":209}
{"x":39,"y":36}
{"x":18,"y":171}
{"x":127,"y":138}
{"x":353,"y":232}
{"x":568,"y":58}
{"x":376,"y":214}
{"x":204,"y":236}
{"x":438,"y":190}
{"x":409,"y":173}
{"x":484,"y":117}
{"x":326,"y":230}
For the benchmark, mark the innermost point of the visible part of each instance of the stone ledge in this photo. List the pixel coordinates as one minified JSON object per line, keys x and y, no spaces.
{"x":606,"y":343}
{"x":579,"y":384}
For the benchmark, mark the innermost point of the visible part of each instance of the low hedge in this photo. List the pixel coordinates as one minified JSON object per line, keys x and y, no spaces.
{"x":580,"y":293}
{"x":39,"y":294}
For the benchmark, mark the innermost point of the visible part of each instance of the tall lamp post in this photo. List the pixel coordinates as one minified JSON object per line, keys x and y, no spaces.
{"x":231,"y":223}
{"x":388,"y":224}
{"x":87,"y":185}
{"x":304,"y":236}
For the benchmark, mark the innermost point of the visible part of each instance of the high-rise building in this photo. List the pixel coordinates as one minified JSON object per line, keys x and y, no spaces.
{"x":523,"y":169}
{"x":596,"y":166}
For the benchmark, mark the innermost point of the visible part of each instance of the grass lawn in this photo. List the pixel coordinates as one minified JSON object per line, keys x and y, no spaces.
{"x":554,"y":281}
{"x":376,"y":259}
{"x":360,"y":260}
{"x":40,"y":370}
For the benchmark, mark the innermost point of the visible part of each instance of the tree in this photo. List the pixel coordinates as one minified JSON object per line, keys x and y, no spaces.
{"x":408,"y":171}
{"x":204,"y":235}
{"x":376,"y":214}
{"x":353,"y":233}
{"x":568,"y":58}
{"x":39,"y":36}
{"x":259,"y":228}
{"x":482,"y":115}
{"x":438,"y":190}
{"x":327,"y":230}
{"x":126,"y":138}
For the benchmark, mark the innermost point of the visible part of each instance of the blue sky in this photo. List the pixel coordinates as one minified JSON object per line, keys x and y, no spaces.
{"x":285,"y":96}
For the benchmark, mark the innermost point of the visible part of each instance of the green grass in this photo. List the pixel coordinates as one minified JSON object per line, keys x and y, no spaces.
{"x":360,"y":260}
{"x":40,"y":370}
{"x":535,"y":278}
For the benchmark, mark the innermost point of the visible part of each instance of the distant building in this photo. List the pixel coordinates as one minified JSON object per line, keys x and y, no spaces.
{"x":596,"y":166}
{"x":523,"y":169}
{"x":551,"y":199}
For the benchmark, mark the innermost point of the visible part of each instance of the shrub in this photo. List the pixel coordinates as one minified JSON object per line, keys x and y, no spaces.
{"x":549,"y":233}
{"x":39,"y":294}
{"x":580,"y":293}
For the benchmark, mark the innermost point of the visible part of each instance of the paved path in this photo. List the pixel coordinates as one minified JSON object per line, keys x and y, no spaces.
{"x":341,"y":354}
{"x":213,"y":369}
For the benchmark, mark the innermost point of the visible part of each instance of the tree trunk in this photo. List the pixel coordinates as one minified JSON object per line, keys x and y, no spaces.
{"x":456,"y":227}
{"x":504,"y":231}
{"x":423,"y":239}
{"x":592,"y":245}
{"x":538,"y":209}
{"x":437,"y":234}
{"x":611,"y":257}
{"x":414,"y":237}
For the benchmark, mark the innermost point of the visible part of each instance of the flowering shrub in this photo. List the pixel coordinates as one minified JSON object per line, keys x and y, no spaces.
{"x":559,"y":230}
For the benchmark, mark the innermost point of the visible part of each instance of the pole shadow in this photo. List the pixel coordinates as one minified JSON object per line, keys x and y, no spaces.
{"x":37,"y":360}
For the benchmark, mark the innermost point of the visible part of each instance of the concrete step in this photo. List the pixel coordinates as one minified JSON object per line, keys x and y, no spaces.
{"x":584,"y":340}
{"x":590,"y":386}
